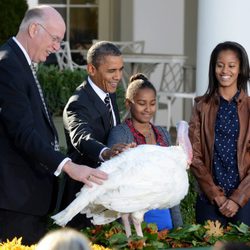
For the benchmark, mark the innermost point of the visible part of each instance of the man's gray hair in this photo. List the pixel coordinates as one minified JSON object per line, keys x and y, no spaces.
{"x":35,"y":14}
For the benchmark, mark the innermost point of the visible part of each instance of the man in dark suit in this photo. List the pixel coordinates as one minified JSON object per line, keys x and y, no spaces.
{"x":88,"y":120}
{"x":29,"y":156}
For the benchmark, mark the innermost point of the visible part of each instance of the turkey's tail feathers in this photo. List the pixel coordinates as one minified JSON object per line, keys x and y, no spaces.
{"x":75,"y":207}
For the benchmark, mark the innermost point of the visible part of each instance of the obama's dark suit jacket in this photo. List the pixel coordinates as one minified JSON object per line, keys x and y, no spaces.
{"x":87,"y":125}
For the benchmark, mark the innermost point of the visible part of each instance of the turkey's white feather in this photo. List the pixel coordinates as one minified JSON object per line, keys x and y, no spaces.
{"x":140,"y":179}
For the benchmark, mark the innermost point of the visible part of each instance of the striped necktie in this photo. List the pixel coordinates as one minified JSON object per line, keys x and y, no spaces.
{"x":33,"y":69}
{"x":107,"y":102}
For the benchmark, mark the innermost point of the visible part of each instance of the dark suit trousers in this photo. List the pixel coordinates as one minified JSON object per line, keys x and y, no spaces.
{"x":13,"y":224}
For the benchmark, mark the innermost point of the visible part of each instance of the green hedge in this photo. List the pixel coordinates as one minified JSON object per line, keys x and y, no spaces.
{"x":11,"y":15}
{"x":58,"y":85}
{"x":188,"y":203}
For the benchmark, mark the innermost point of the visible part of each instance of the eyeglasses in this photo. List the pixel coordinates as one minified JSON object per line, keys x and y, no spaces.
{"x":54,"y":38}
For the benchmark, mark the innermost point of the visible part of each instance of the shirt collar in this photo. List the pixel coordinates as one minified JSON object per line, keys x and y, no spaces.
{"x":23,"y":50}
{"x":98,"y":91}
{"x":234,"y":98}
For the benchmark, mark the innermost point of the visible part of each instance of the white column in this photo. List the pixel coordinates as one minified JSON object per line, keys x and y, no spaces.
{"x":219,"y":21}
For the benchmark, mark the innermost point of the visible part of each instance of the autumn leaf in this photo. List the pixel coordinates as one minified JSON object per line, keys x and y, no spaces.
{"x":139,"y":244}
{"x":112,"y":231}
{"x":163,"y":234}
{"x":181,"y":245}
{"x":96,"y":229}
{"x":151,"y":228}
{"x":214,"y":228}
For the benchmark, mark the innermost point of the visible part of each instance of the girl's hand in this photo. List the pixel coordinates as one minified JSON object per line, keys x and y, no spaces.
{"x":229,"y":208}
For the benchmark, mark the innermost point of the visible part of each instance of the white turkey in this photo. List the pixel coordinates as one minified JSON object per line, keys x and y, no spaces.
{"x":140,"y":179}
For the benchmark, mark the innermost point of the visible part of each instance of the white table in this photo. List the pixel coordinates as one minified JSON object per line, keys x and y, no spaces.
{"x":153,"y":58}
{"x":146,"y":63}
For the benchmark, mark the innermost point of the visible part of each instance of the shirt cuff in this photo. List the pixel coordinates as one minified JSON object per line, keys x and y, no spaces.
{"x":100,"y":155}
{"x":61,"y":165}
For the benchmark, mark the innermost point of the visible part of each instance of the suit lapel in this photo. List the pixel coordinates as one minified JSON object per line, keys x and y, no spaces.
{"x":28,"y":72}
{"x":47,"y":117}
{"x":99,"y":106}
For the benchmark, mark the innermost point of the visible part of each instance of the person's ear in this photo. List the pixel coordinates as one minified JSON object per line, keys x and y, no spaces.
{"x":91,"y":69}
{"x":127,"y":104}
{"x":32,"y":29}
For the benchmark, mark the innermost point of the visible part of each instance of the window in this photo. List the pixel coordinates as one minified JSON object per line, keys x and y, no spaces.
{"x":81,"y":18}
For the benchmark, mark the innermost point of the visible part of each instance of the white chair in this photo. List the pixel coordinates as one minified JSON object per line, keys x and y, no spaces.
{"x":64,"y":58}
{"x":175,"y":83}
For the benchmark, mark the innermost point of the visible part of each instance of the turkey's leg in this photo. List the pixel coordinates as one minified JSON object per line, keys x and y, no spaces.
{"x":137,"y":225}
{"x":126,"y":223}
